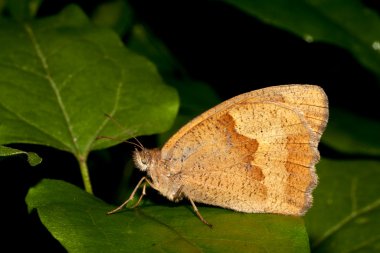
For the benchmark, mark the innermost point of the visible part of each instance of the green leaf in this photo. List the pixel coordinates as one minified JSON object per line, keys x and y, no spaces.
{"x":345,"y":23}
{"x":78,"y":220}
{"x":344,"y":136}
{"x":60,"y":75}
{"x":346,"y":211}
{"x":33,"y":158}
{"x":66,"y":75}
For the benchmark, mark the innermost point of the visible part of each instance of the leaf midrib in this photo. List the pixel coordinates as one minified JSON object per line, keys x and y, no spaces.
{"x":53,"y":85}
{"x":174,"y":231}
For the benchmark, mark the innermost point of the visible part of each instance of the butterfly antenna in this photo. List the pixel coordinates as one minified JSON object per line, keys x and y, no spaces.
{"x":139,"y":144}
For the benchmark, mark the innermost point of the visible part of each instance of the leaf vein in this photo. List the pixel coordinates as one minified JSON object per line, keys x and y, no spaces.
{"x":21,"y":118}
{"x":345,"y":221}
{"x":364,"y":244}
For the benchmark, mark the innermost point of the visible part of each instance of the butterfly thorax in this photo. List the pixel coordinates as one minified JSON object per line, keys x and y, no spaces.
{"x":149,"y":160}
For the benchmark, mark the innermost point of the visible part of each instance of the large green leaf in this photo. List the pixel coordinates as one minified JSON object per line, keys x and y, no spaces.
{"x":345,"y":23}
{"x":346,"y":211}
{"x":78,"y":220}
{"x":60,"y":75}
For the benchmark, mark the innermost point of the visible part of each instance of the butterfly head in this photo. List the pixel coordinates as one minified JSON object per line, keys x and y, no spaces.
{"x":150,"y":160}
{"x":145,"y":158}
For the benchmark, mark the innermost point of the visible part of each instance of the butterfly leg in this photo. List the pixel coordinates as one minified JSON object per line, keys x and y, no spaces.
{"x":142,"y":195}
{"x":178,"y":195}
{"x":132,"y":195}
{"x":199,"y":214}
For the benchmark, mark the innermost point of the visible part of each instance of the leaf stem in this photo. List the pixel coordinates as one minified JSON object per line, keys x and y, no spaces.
{"x":85,"y":175}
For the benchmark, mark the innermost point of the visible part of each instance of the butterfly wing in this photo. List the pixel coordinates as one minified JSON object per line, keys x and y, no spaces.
{"x":253,"y":153}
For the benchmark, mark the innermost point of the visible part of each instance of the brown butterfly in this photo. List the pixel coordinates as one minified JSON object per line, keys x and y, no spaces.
{"x":253,"y":153}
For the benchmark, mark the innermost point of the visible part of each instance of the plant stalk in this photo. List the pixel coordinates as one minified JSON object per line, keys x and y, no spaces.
{"x":85,"y":175}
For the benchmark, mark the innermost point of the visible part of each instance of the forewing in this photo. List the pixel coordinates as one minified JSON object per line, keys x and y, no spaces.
{"x":253,"y":153}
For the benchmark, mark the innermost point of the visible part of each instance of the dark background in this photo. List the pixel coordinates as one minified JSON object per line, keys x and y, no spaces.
{"x":217,"y":44}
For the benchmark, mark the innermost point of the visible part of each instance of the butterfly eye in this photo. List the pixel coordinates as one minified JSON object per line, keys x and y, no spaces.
{"x":145,"y":158}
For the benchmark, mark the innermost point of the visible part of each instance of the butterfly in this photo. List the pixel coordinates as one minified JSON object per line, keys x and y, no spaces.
{"x":254,"y":153}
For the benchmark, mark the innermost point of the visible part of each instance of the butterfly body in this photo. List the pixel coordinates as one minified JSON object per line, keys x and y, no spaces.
{"x":162,"y":180}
